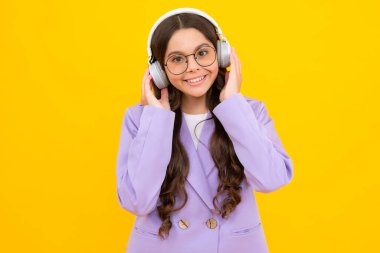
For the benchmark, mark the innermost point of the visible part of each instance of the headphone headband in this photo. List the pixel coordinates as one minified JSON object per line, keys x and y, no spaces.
{"x":178,"y":11}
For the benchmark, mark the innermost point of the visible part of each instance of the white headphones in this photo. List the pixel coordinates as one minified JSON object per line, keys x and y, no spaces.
{"x":223,"y":47}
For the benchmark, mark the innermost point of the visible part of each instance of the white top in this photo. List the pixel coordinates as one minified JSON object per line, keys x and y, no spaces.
{"x":192,"y":120}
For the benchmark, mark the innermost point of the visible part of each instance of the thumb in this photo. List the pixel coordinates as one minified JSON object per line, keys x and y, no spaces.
{"x":164,"y":94}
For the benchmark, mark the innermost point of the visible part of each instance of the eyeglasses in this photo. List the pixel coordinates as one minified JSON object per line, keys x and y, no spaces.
{"x":178,"y":63}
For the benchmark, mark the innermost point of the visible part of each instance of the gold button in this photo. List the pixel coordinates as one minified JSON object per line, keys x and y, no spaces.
{"x":211,"y":223}
{"x":183,"y":223}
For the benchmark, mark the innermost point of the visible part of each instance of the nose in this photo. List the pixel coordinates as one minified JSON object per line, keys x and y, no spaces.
{"x":192,"y":65}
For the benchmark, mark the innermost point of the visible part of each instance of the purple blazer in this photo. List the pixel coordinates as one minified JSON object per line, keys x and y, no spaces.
{"x":145,"y":151}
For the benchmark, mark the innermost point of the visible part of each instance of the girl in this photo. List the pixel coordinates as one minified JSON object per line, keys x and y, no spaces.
{"x":194,"y":150}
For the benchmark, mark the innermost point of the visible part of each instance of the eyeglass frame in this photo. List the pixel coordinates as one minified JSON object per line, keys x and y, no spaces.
{"x":187,"y":61}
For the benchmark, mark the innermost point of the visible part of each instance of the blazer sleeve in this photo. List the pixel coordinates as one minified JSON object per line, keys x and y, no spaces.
{"x":143,"y":156}
{"x":267,"y":166}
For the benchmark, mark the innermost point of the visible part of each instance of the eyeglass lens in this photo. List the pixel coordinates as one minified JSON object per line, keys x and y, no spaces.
{"x":177,"y":64}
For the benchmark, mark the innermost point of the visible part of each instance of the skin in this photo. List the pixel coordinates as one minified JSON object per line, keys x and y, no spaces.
{"x":194,"y":97}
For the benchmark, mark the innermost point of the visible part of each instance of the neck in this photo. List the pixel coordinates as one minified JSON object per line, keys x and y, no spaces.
{"x":194,"y":105}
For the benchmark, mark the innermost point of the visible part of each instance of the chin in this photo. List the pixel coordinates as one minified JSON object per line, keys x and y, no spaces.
{"x":198,"y":91}
{"x":197,"y":95}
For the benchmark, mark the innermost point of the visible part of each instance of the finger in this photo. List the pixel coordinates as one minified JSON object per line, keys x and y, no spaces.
{"x":148,"y":86}
{"x":233,"y":63}
{"x":143,"y":86}
{"x":240,"y":68}
{"x":232,"y":60}
{"x":238,"y":64}
{"x":146,"y":74}
{"x":229,"y":67}
{"x":151,"y":84}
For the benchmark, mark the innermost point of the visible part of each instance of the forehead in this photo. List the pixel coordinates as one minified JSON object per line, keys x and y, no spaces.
{"x":186,"y":40}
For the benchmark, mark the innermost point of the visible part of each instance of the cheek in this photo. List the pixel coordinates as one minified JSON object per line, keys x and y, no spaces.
{"x":175,"y":79}
{"x":214,"y":71}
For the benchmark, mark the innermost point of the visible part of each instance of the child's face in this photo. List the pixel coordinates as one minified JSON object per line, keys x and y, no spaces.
{"x":187,"y":41}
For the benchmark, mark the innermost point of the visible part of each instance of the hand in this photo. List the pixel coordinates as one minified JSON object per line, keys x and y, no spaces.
{"x":233,"y":78}
{"x":147,"y":95}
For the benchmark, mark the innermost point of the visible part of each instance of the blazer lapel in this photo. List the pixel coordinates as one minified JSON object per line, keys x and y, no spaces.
{"x":203,"y":151}
{"x":200,"y":160}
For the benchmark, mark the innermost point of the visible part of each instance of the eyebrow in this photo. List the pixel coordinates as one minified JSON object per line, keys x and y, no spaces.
{"x":179,"y":52}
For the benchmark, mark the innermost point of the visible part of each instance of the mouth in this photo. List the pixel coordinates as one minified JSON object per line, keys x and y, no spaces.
{"x":196,"y":81}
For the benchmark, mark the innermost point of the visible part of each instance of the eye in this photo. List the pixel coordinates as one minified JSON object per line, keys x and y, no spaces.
{"x":203,"y":52}
{"x":177,"y":59}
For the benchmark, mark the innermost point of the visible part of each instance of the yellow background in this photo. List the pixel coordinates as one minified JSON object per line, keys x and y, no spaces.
{"x":68,"y":70}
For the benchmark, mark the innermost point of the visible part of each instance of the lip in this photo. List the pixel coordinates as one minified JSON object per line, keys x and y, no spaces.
{"x":197,"y":83}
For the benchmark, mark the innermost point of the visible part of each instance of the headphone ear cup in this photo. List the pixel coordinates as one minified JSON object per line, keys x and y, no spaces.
{"x":159,"y":77}
{"x":224,"y":51}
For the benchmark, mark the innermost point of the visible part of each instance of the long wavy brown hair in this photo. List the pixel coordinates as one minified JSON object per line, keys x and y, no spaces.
{"x":230,"y":170}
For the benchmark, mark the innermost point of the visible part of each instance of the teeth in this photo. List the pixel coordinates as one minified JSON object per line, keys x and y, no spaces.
{"x":195,"y":80}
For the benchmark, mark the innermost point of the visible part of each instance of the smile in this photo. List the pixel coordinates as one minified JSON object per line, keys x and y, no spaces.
{"x":195,"y":81}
